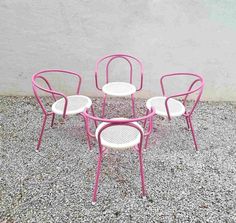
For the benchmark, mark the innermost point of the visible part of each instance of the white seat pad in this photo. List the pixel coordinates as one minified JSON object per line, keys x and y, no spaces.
{"x":76,"y":104}
{"x":119,"y":89}
{"x":119,"y":136}
{"x":176,"y":108}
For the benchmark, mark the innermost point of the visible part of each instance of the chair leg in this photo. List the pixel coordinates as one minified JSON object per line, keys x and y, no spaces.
{"x":87,"y":134}
{"x":95,"y":189}
{"x":93,"y":113}
{"x":146,"y":142}
{"x":145,"y":121}
{"x":187,"y":121}
{"x":133,"y":105}
{"x":193,"y":134}
{"x":103,"y":105}
{"x":53,"y":118}
{"x":141,"y":171}
{"x":41,"y":133}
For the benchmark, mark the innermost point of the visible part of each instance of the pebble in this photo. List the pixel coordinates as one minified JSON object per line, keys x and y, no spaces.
{"x":55,"y":185}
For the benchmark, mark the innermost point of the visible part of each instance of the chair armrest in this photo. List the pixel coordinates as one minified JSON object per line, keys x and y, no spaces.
{"x":53,"y":93}
{"x":178,"y":95}
{"x":161,"y":83}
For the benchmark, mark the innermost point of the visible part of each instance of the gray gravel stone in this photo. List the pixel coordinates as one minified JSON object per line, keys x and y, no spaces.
{"x":55,"y":185}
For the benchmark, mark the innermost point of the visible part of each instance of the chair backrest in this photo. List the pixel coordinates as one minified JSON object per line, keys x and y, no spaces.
{"x":196,"y":87}
{"x":129,"y":59}
{"x":49,"y":90}
{"x":120,"y":121}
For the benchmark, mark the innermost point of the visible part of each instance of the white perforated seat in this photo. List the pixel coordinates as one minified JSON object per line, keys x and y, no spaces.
{"x":119,"y":89}
{"x":119,"y":136}
{"x":76,"y":104}
{"x":176,"y":108}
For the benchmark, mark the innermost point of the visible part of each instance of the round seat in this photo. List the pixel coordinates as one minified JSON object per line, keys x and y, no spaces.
{"x":119,"y":89}
{"x":76,"y":104}
{"x":176,"y":108}
{"x":119,"y":136}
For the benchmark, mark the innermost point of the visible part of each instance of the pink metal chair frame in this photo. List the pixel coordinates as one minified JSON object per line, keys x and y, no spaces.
{"x":54,"y":94}
{"x":110,"y":58}
{"x":191,"y":90}
{"x":102,"y":149}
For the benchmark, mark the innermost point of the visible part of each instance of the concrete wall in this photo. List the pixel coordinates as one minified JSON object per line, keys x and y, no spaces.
{"x":167,"y":35}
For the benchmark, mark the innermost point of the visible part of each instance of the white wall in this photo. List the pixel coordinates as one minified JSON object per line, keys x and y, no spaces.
{"x":167,"y":35}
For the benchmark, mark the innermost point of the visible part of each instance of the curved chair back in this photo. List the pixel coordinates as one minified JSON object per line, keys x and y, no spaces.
{"x":120,"y":121}
{"x":196,"y":87}
{"x":129,"y":59}
{"x":49,"y":90}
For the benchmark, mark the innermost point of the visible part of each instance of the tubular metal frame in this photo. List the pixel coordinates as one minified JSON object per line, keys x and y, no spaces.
{"x":111,"y":58}
{"x":102,"y":149}
{"x":54,"y":95}
{"x":191,"y":90}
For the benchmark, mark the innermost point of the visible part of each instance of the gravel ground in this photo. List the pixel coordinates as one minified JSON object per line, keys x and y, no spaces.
{"x":55,"y":185}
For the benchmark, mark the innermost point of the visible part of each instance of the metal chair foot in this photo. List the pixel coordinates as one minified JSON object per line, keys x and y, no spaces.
{"x":94,"y":202}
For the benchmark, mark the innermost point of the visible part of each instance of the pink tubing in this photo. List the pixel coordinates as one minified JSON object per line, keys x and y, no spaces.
{"x":95,"y":190}
{"x":115,"y":56}
{"x":193,"y":134}
{"x":190,"y":91}
{"x":112,"y":122}
{"x":130,"y":60}
{"x":133,"y":105}
{"x":53,"y":93}
{"x":41,"y":133}
{"x":103,"y":105}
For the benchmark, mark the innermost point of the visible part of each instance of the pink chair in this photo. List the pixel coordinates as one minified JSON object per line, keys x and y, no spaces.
{"x":63,"y":105}
{"x":168,"y":106}
{"x":119,"y":89}
{"x":119,"y":134}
